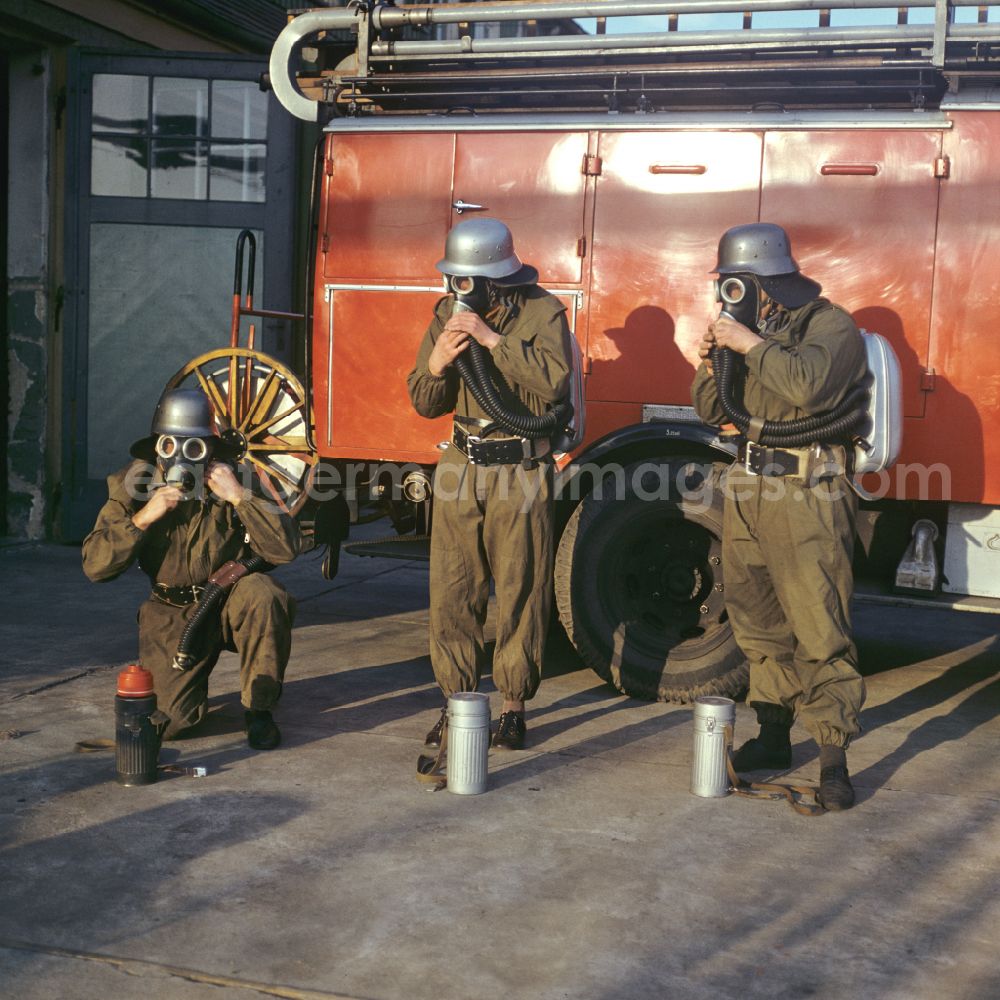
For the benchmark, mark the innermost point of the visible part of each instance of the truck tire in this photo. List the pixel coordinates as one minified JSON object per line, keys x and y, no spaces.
{"x":639,"y":584}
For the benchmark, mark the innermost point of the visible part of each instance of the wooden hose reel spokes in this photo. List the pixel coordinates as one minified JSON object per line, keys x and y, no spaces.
{"x":262,"y":412}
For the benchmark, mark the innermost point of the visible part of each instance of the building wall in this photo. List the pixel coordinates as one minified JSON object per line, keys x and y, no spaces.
{"x":29,"y":294}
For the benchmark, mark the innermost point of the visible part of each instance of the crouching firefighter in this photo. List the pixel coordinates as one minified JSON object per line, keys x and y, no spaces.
{"x":199,"y":535}
{"x":497,"y":355}
{"x":787,"y":368}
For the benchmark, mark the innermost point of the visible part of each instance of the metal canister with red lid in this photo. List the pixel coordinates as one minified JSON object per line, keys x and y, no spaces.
{"x":137,"y":738}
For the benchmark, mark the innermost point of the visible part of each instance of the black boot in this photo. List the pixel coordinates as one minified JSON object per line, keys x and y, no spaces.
{"x":262,"y":732}
{"x":510,"y":732}
{"x":836,"y":792}
{"x":433,"y":737}
{"x":771,"y":748}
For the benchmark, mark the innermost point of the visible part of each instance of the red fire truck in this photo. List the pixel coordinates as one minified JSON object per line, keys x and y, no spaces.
{"x":618,"y":158}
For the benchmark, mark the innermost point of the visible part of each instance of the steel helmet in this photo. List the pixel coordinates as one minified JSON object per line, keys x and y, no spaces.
{"x":764,"y":250}
{"x":485,"y":247}
{"x":182,"y":413}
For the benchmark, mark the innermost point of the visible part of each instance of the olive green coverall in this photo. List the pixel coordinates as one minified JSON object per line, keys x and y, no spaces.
{"x":494,"y":520}
{"x":788,"y":544}
{"x":186,"y":547}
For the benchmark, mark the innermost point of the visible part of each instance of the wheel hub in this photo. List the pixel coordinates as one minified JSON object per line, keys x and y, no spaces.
{"x":680,"y":581}
{"x":236,"y":440}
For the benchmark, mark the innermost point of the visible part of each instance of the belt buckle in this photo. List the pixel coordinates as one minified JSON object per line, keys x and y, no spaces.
{"x":527,"y":455}
{"x":752,"y":458}
{"x":196,"y":591}
{"x":471,"y":441}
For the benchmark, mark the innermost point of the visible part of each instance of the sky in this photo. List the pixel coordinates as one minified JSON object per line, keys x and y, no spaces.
{"x":780,"y":19}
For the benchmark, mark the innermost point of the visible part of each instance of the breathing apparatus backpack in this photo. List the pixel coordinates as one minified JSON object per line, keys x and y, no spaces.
{"x":563,"y":423}
{"x":870,"y":416}
{"x":879,"y":436}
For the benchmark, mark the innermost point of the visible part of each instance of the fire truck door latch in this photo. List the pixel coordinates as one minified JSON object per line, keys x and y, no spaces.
{"x":592,"y":166}
{"x":928,"y":378}
{"x":942,"y":167}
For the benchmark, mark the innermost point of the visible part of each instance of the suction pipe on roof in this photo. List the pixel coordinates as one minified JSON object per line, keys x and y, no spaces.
{"x":285,"y":46}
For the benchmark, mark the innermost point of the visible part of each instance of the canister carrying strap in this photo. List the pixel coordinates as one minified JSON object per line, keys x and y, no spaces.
{"x":430,"y":770}
{"x":772,"y":791}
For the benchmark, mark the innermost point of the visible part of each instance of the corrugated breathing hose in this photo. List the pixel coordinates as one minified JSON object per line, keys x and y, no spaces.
{"x":832,"y":427}
{"x":209,"y":603}
{"x":473,"y":366}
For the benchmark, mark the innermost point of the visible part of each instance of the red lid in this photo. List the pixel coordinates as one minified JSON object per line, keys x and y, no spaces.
{"x":135,"y":682}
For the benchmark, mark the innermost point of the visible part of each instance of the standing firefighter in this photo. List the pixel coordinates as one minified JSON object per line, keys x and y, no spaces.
{"x":184,"y":538}
{"x":788,"y":528}
{"x":493,"y":488}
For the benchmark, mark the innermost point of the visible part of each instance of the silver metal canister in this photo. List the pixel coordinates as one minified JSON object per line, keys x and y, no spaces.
{"x":709,"y":777}
{"x":468,"y":742}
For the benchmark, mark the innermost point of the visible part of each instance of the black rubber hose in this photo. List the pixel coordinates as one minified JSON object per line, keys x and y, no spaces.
{"x":211,"y":600}
{"x":473,"y":366}
{"x":834,"y":426}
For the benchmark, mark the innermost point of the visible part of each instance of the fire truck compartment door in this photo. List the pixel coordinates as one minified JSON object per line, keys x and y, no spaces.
{"x":663,"y":201}
{"x":360,"y":363}
{"x":861,"y":210}
{"x":386,"y":205}
{"x":534,"y":182}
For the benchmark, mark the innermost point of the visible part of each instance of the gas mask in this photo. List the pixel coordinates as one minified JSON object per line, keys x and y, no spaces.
{"x":740,"y":295}
{"x":182,"y":461}
{"x":473,"y":292}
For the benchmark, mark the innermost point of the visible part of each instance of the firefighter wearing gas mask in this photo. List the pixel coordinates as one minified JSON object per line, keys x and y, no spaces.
{"x":493,"y":485}
{"x":180,"y":511}
{"x":789,"y":521}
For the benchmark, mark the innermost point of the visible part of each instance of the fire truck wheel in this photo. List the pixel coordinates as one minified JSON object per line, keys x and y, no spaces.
{"x":639,"y":583}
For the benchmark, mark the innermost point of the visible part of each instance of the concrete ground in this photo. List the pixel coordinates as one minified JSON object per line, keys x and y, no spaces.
{"x":588,"y":870}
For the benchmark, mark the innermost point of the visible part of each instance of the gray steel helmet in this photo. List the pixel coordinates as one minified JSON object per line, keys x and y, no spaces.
{"x":760,"y":248}
{"x":181,"y":412}
{"x":184,"y":412}
{"x":763,"y":249}
{"x":485,"y":247}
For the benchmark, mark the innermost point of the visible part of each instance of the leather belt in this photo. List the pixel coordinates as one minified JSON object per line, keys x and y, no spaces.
{"x":798,"y":463}
{"x":499,"y":451}
{"x":178,"y":597}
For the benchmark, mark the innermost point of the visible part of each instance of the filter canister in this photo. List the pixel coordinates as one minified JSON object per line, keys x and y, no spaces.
{"x":712,"y":715}
{"x":468,"y":742}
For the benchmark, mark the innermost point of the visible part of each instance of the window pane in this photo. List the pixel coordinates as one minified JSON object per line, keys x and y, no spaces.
{"x":239,"y":110}
{"x":118,"y":167}
{"x":159,"y":296}
{"x":180,"y":106}
{"x":121,"y":103}
{"x":238,"y":172}
{"x":180,"y":169}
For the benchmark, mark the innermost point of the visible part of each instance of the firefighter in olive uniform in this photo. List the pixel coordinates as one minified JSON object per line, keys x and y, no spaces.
{"x":788,"y":534}
{"x":155,"y":515}
{"x":492,"y":492}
